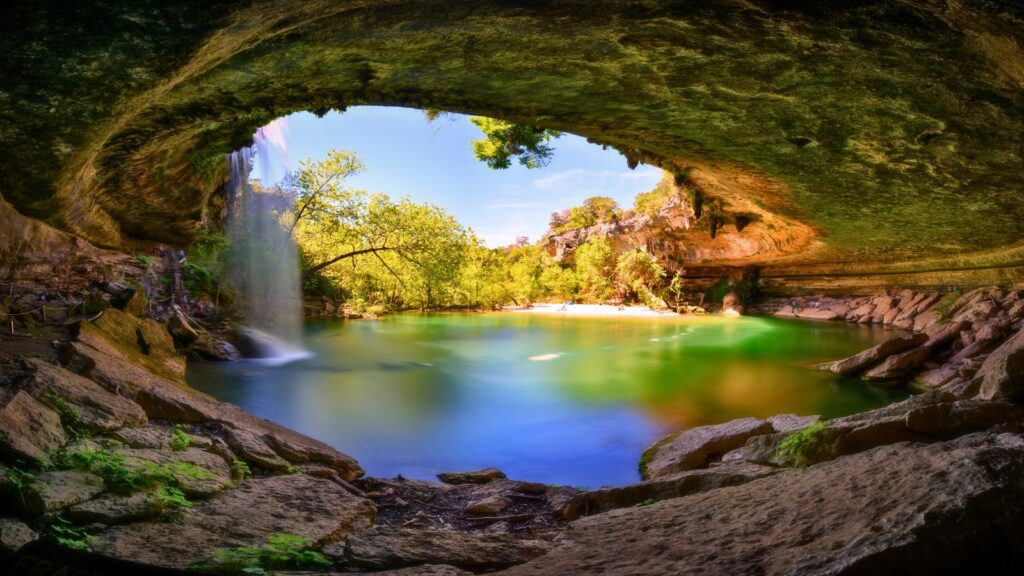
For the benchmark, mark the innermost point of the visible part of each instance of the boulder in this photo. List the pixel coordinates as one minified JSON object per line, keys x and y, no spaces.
{"x":489,"y":506}
{"x":384,"y":547}
{"x":116,"y":508}
{"x":140,"y":342}
{"x":898,"y":365}
{"x":250,"y":447}
{"x":28,"y":429}
{"x":925,"y":320}
{"x":674,"y":486}
{"x":952,"y":419}
{"x":785,"y":312}
{"x":210,"y":347}
{"x":693,"y":448}
{"x":877,"y":353}
{"x":1001,"y":376}
{"x":13,"y":535}
{"x":51,"y":491}
{"x":899,"y":504}
{"x":143,"y":437}
{"x":97,"y":410}
{"x":180,"y":328}
{"x":936,"y":377}
{"x":979,"y":310}
{"x":474,"y":477}
{"x":247,"y":515}
{"x":1016,"y":311}
{"x":942,"y":334}
{"x":425,"y":570}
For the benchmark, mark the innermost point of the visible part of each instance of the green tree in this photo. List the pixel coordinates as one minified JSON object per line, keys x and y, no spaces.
{"x":603,"y":208}
{"x":504,"y":141}
{"x":650,"y":203}
{"x":595,"y":268}
{"x":640,"y":273}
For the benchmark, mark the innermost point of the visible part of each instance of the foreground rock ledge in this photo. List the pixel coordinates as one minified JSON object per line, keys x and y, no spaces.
{"x":901,"y":509}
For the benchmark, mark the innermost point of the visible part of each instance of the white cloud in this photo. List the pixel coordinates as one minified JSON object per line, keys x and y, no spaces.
{"x":596,"y":178}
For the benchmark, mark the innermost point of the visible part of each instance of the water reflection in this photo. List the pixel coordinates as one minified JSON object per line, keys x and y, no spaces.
{"x":563,"y":400}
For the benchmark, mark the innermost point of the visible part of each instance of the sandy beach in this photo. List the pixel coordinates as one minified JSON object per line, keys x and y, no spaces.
{"x":602,"y":310}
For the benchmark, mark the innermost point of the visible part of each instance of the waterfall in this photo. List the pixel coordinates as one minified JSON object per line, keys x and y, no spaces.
{"x":264,"y":262}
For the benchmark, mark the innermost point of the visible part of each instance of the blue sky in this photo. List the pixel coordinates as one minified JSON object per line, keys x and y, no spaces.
{"x":405,"y":155}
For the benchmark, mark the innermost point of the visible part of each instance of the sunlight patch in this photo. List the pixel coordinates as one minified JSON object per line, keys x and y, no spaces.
{"x":545,"y":357}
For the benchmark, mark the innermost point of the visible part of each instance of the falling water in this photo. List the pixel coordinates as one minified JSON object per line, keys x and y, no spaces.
{"x":264,"y":262}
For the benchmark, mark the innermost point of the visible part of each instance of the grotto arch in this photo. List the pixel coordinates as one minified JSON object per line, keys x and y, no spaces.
{"x":847,"y":120}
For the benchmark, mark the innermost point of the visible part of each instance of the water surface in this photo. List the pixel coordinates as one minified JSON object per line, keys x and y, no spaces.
{"x":560,"y":400}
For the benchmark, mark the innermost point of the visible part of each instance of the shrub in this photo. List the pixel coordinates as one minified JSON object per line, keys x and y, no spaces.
{"x":64,"y":533}
{"x":240,"y":470}
{"x":179,"y":439}
{"x":281,"y":552}
{"x":70,"y":418}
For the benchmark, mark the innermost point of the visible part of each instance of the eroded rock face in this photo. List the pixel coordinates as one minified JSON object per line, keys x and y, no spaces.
{"x":391,"y":547}
{"x":691,"y":449}
{"x":898,"y":506}
{"x":52,"y":491}
{"x":244,"y":516}
{"x":482,"y":476}
{"x":1001,"y":376}
{"x":13,"y":535}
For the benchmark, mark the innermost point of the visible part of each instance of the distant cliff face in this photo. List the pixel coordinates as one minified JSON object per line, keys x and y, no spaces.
{"x":879,"y":130}
{"x":679,"y":233}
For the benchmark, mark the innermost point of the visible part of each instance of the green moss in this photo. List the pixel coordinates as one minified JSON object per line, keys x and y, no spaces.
{"x":797,"y":447}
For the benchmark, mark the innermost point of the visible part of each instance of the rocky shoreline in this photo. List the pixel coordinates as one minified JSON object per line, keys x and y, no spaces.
{"x":102,"y":401}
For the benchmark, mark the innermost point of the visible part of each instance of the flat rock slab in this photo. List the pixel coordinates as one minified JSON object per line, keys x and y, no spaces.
{"x":393,"y":547}
{"x":898,"y":365}
{"x":51,"y":491}
{"x":868,"y":358}
{"x":889,"y":510}
{"x":98,"y":409}
{"x":691,"y":449}
{"x":644,"y":493}
{"x":115,"y":508}
{"x":474,"y":477}
{"x":217,"y":472}
{"x":244,"y":516}
{"x":28,"y":428}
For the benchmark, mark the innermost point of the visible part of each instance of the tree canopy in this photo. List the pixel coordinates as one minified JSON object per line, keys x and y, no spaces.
{"x":504,"y":141}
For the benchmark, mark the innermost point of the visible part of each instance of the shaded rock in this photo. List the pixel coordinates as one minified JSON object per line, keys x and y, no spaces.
{"x":973,"y":350}
{"x":682,"y":484}
{"x":297,"y":448}
{"x":28,"y":429}
{"x":976,"y":311}
{"x":140,"y":342}
{"x":251,"y":448}
{"x":52,"y":491}
{"x":393,"y":547}
{"x":877,"y":353}
{"x":898,"y":365}
{"x":899,"y":505}
{"x":474,"y":477}
{"x":116,"y":509}
{"x":210,"y":347}
{"x":98,"y":410}
{"x":962,"y":387}
{"x":488,"y":506}
{"x":244,"y":516}
{"x":791,"y":422}
{"x":836,"y":439}
{"x":1016,"y":312}
{"x":786,"y":311}
{"x":180,"y":328}
{"x":950,"y":420}
{"x":1001,"y":376}
{"x":692,"y":448}
{"x":426,"y":570}
{"x":945,"y":333}
{"x":937,"y":377}
{"x":13,"y":535}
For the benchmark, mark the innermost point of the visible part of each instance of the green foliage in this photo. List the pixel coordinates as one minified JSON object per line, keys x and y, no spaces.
{"x":594,"y":210}
{"x":144,"y":260}
{"x":293,"y":470}
{"x":206,"y":266}
{"x":240,"y":470}
{"x":650,"y":203}
{"x":504,"y":141}
{"x":180,"y":440}
{"x":122,"y":478}
{"x":70,"y":418}
{"x":595,"y":268}
{"x":944,"y":307}
{"x":62,"y":531}
{"x":640,"y":274}
{"x":281,"y":552}
{"x":796,"y":446}
{"x":646,"y":502}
